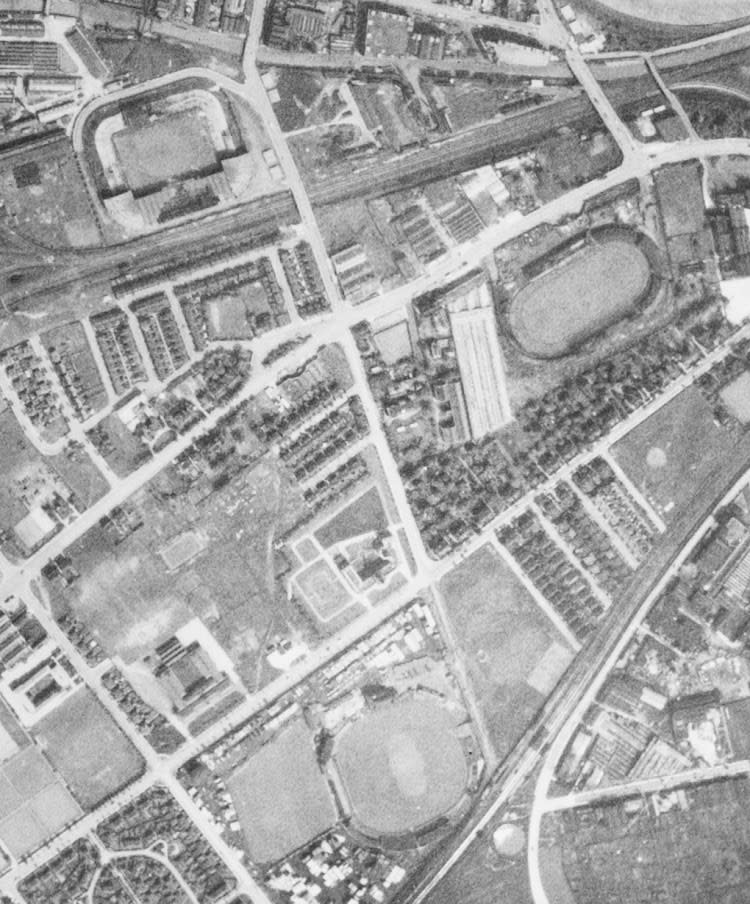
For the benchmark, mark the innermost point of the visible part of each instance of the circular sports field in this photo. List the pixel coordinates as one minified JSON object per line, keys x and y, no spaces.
{"x":402,"y":766}
{"x":581,"y":296}
{"x":680,"y":12}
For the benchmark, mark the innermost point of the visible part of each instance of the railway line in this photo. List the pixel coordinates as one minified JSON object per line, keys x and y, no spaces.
{"x":560,"y":705}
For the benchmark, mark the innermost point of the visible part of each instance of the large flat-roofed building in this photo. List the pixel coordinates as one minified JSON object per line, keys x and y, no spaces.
{"x":480,"y":363}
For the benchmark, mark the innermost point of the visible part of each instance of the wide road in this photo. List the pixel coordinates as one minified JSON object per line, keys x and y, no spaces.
{"x":86,"y":272}
{"x":586,"y":667}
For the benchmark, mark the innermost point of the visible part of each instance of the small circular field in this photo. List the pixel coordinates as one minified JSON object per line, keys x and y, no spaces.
{"x":574,"y":300}
{"x":402,"y":766}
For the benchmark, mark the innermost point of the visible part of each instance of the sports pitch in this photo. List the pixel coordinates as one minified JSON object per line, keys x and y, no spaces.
{"x":671,"y":454}
{"x":591,"y":290}
{"x":34,"y":804}
{"x":87,"y":748}
{"x":169,"y":148}
{"x":513,"y":654}
{"x":402,"y":765}
{"x":281,"y":797}
{"x":323,"y":591}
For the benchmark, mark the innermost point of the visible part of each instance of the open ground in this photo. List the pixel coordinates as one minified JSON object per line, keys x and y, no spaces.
{"x":88,"y":749}
{"x":694,"y":854}
{"x":402,"y":765}
{"x":361,"y":516}
{"x":18,"y":457}
{"x":45,"y":197}
{"x":513,"y":654}
{"x":132,"y":601}
{"x":592,"y":289}
{"x":281,"y":797}
{"x":34,"y":802}
{"x":669,"y":455}
{"x":481,"y":876}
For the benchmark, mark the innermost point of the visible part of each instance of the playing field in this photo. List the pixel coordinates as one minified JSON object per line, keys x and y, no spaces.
{"x":281,"y":797}
{"x":513,"y":654}
{"x":669,"y":456}
{"x":578,"y":298}
{"x":87,"y":748}
{"x":680,"y":12}
{"x":167,"y":148}
{"x":402,"y":765}
{"x":180,"y":550}
{"x":34,"y":803}
{"x":323,"y":591}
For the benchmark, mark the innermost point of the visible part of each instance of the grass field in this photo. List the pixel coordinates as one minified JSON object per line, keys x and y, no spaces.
{"x":679,"y":191}
{"x":34,"y":804}
{"x":668,"y":456}
{"x":281,"y":797}
{"x":132,"y":602}
{"x":169,"y":147}
{"x":594,"y":288}
{"x":480,"y":877}
{"x":402,"y":765}
{"x":680,"y":12}
{"x":87,"y":748}
{"x":361,"y":516}
{"x":502,"y":637}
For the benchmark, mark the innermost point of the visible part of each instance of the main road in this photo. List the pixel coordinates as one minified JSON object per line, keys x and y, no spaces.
{"x":31,"y":273}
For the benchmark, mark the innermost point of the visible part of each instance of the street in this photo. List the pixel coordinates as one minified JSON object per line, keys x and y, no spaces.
{"x":61,"y":274}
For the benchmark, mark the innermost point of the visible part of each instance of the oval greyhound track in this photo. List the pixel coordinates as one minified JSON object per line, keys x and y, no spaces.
{"x":586,"y":292}
{"x":679,"y":12}
{"x":402,"y":766}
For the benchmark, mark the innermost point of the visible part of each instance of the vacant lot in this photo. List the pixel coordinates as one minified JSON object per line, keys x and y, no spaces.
{"x":481,"y":877}
{"x":281,"y":797}
{"x":402,"y":765}
{"x":669,"y":455}
{"x":237,"y":312}
{"x":361,"y":516}
{"x":306,"y":98}
{"x":695,"y":854}
{"x":679,"y":190}
{"x":88,"y":749}
{"x":578,"y":298}
{"x":18,"y":458}
{"x":167,"y":148}
{"x":502,"y":636}
{"x":45,"y":197}
{"x":132,"y":601}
